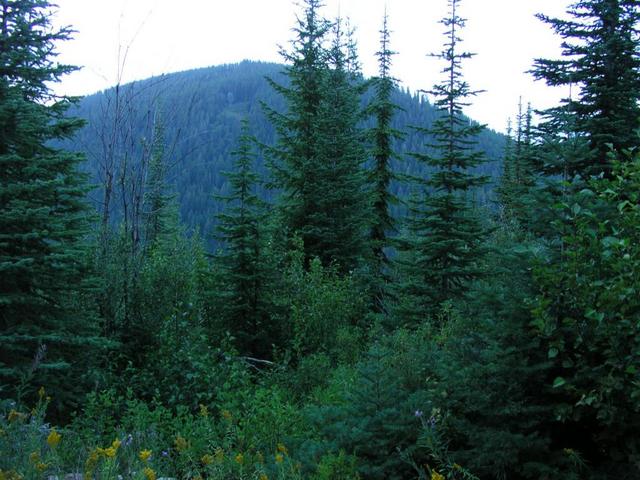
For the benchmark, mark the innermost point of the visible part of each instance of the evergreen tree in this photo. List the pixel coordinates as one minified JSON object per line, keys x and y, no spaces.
{"x":382,"y":136}
{"x":159,"y":207}
{"x":43,"y":215}
{"x":242,"y":299}
{"x":600,"y":50}
{"x":336,"y":228}
{"x":294,"y":159}
{"x":448,"y":235}
{"x":317,"y":162}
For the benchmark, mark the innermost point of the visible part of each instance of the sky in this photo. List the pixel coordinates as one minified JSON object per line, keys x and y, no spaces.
{"x":127,"y":40}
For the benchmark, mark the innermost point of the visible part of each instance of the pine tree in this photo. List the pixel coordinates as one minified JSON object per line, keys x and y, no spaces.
{"x":43,"y":214}
{"x":160,"y":211}
{"x":294,"y":158}
{"x":382,"y":136}
{"x":242,"y":298}
{"x":336,"y":230}
{"x":317,"y":161}
{"x":601,"y":62}
{"x":448,"y":235}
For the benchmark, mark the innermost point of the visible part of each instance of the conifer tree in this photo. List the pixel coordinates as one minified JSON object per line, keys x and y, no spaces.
{"x":336,"y":228}
{"x":448,"y":236}
{"x":382,"y":136}
{"x":242,"y":295}
{"x":317,"y":161}
{"x":294,"y":158}
{"x":160,"y":210}
{"x":43,"y":215}
{"x":601,"y":62}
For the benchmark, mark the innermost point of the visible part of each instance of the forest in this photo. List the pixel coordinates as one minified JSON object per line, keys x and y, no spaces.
{"x":260,"y":271}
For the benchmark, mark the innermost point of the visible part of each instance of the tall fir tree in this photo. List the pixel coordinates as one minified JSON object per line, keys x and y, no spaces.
{"x":336,"y":228}
{"x":382,"y":136}
{"x":448,"y":237}
{"x":43,"y":214}
{"x":241,"y":296}
{"x":317,"y":161}
{"x":601,"y":62}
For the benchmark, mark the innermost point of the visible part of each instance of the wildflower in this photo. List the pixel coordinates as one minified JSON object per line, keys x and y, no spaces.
{"x":15,"y":415}
{"x":263,"y":476}
{"x":436,"y":476}
{"x":128,"y":440}
{"x":165,"y":453}
{"x":226,"y":414}
{"x":34,"y":457}
{"x":144,"y":455}
{"x":116,"y":444}
{"x":239,"y":459}
{"x":279,"y":458}
{"x":41,"y":467}
{"x":54,"y":438}
{"x":110,"y":452}
{"x":48,"y":398}
{"x":457,"y":467}
{"x":41,"y":393}
{"x":418,"y":413}
{"x":569,"y":451}
{"x":282,"y":448}
{"x":204,"y":411}
{"x":207,"y":459}
{"x":181,"y":443}
{"x":260,"y":457}
{"x":149,"y":473}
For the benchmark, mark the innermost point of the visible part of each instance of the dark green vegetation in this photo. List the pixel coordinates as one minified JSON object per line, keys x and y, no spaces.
{"x":336,"y":333}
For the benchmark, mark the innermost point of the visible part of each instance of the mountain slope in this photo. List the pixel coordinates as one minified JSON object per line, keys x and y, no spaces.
{"x":201,"y":112}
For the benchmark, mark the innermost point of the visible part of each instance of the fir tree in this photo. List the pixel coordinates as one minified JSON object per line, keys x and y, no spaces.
{"x":317,"y":162}
{"x":600,"y":50}
{"x":43,"y":215}
{"x":448,"y":236}
{"x":336,"y":229}
{"x":242,"y":298}
{"x":160,"y":210}
{"x":382,"y":136}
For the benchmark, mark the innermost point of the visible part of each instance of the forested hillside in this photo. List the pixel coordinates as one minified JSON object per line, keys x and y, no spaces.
{"x":366,"y":313}
{"x":202,"y":111}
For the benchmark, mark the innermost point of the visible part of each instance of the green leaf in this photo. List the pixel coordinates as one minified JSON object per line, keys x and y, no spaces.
{"x":553,"y":352}
{"x":558,"y":382}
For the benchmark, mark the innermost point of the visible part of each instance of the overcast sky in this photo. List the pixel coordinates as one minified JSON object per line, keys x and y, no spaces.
{"x":136,"y":39}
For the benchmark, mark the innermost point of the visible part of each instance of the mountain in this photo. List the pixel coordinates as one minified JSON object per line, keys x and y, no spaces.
{"x":201,"y":112}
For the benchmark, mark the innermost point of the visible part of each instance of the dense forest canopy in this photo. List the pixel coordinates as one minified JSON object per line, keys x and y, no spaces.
{"x":262,"y":271}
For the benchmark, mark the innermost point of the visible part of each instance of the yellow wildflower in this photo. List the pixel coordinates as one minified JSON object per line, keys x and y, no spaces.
{"x":15,"y":415}
{"x":239,"y":459}
{"x":41,"y":393}
{"x":282,"y":448}
{"x":54,"y":438}
{"x":263,"y":476}
{"x":204,"y":411}
{"x":279,"y":458}
{"x":149,"y":473}
{"x":110,"y":452}
{"x":181,"y":443}
{"x":48,"y":398}
{"x":207,"y":459}
{"x":226,"y":414}
{"x":101,"y":452}
{"x":436,"y":476}
{"x":116,"y":444}
{"x":144,"y":455}
{"x":41,"y":467}
{"x":34,"y":457}
{"x":260,"y":457}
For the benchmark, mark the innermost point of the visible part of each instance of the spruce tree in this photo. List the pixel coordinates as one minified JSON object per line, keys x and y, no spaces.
{"x":448,"y":236}
{"x":242,"y":298}
{"x":382,"y":136}
{"x":43,"y":214}
{"x":601,"y":64}
{"x":336,"y":229}
{"x":317,"y":161}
